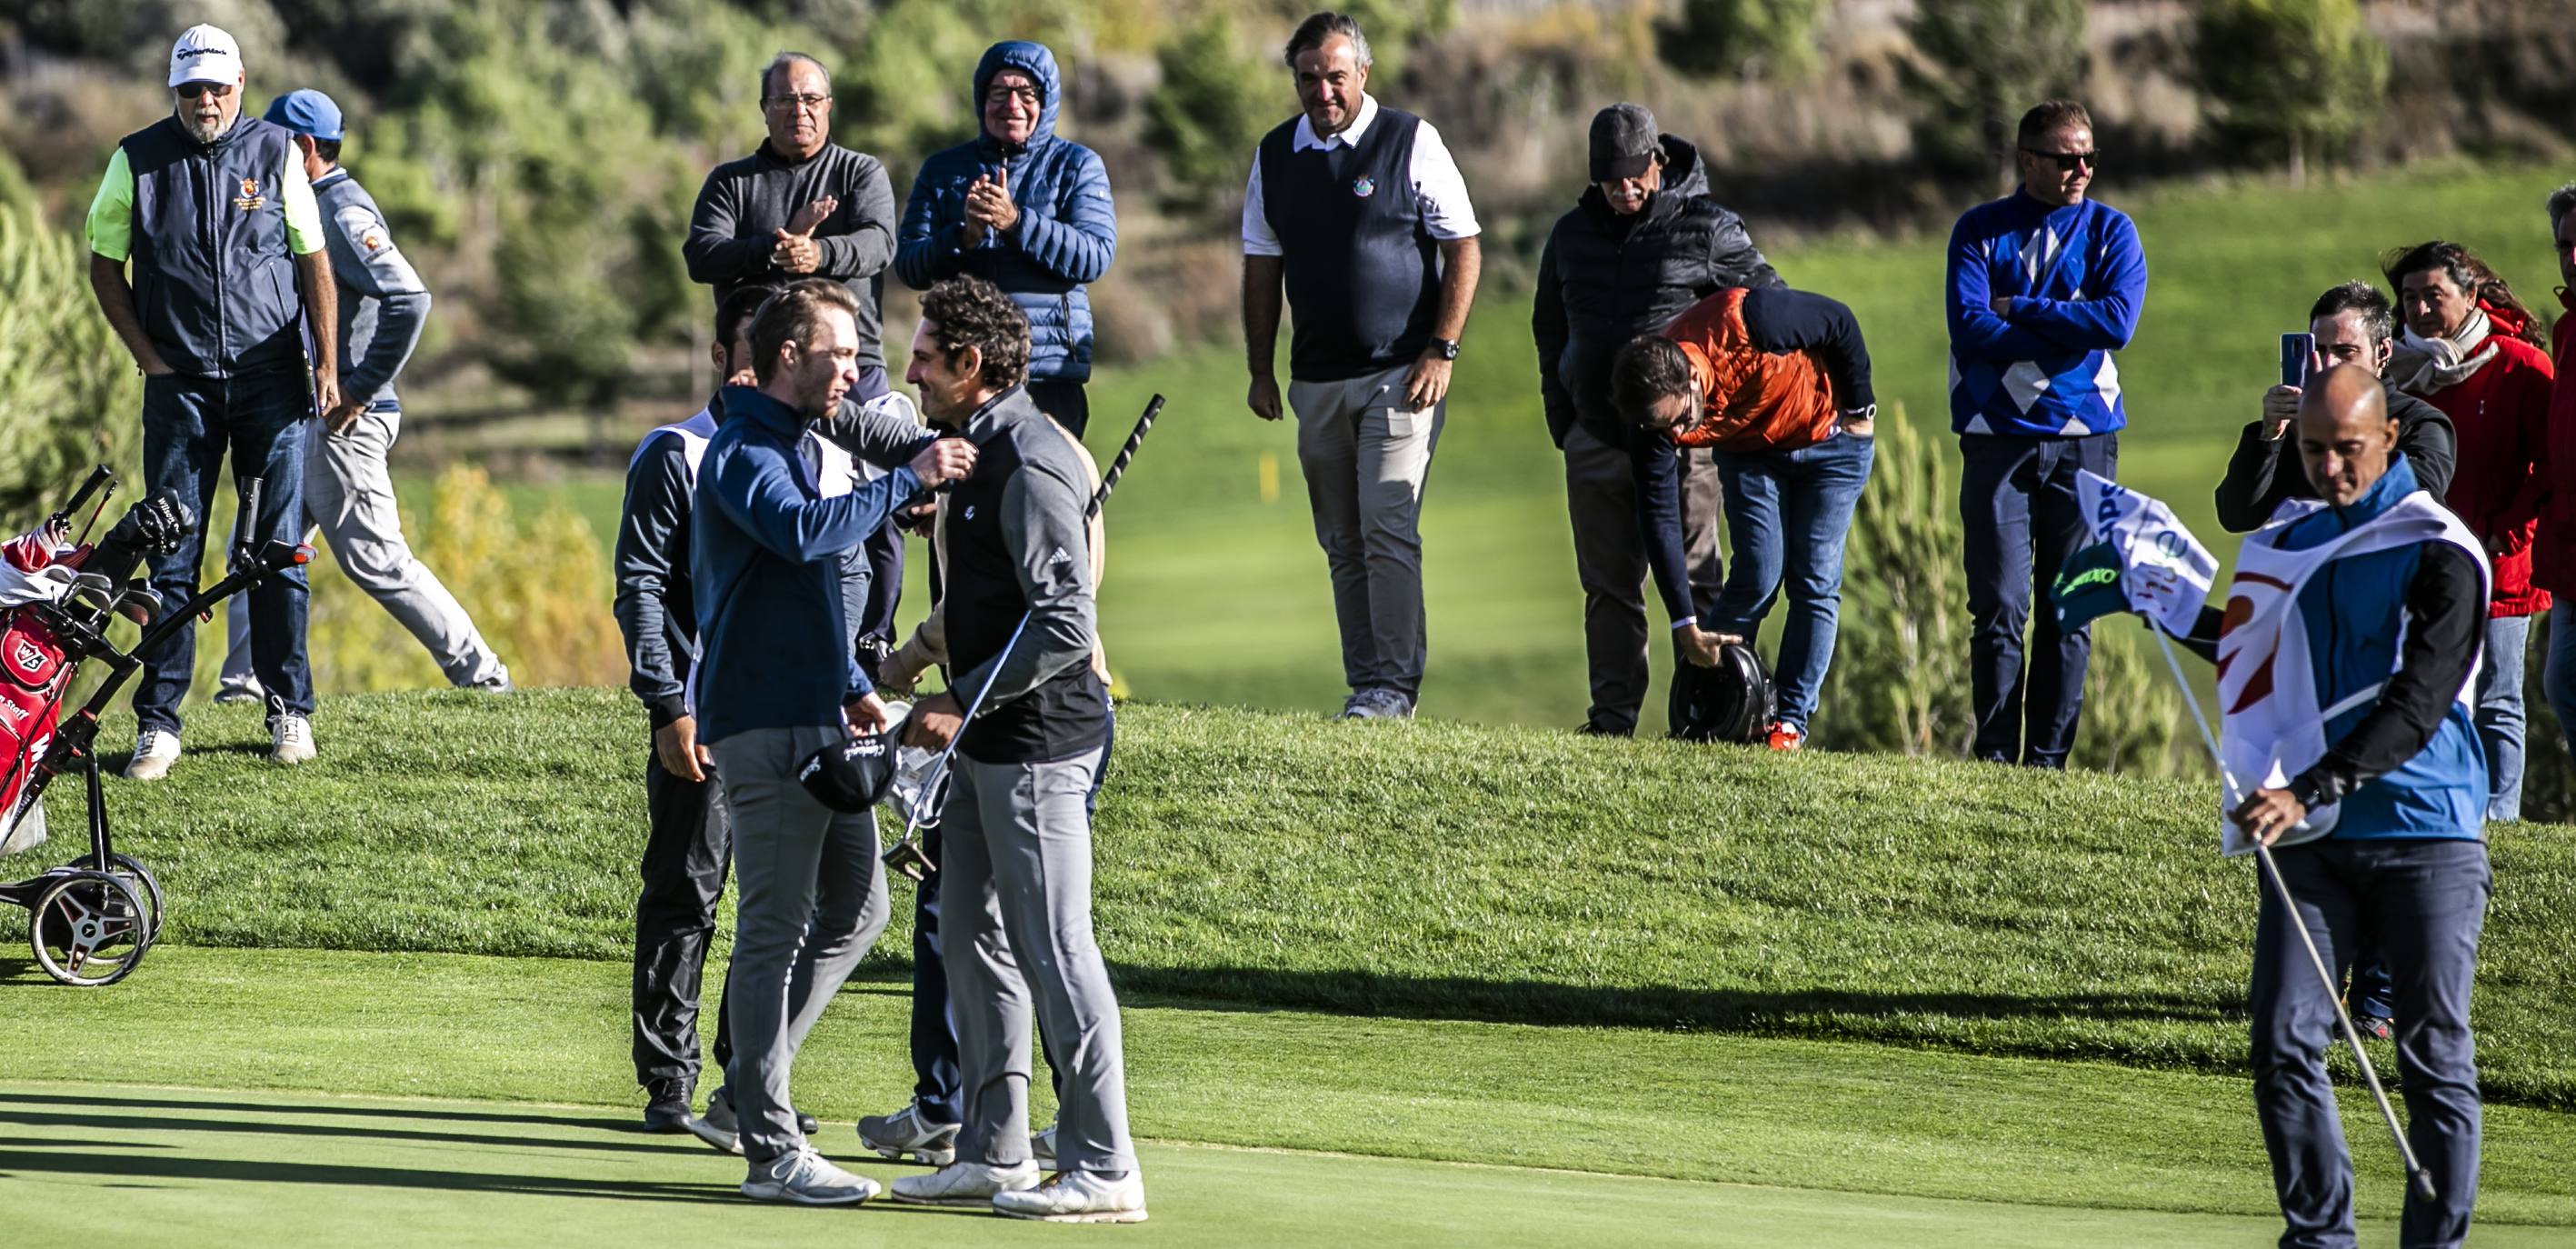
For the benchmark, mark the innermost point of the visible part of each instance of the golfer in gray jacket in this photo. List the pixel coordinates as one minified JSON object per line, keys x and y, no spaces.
{"x":348,"y":495}
{"x":1017,"y":841}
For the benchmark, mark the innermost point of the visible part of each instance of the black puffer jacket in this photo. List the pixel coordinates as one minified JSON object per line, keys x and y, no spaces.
{"x":1604,"y":279}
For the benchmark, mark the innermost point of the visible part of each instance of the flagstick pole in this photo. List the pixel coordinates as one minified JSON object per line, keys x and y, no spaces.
{"x":2419,"y":1179}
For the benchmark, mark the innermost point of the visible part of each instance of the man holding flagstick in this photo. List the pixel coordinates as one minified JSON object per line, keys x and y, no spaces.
{"x":2346,"y":655}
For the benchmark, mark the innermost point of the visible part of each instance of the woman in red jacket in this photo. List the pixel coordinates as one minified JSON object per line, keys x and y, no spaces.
{"x":2553,"y":552}
{"x":2472,"y":350}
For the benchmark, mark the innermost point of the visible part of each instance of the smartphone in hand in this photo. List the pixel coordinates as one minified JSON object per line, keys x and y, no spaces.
{"x":2298,"y":351}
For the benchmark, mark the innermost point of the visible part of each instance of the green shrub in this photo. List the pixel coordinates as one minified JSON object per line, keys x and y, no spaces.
{"x":1211,"y":108}
{"x":1741,"y":38}
{"x":2291,"y":76}
{"x":1981,"y":64}
{"x":69,"y":393}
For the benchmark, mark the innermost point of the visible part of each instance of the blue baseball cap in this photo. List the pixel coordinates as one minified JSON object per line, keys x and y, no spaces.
{"x":306,"y":112}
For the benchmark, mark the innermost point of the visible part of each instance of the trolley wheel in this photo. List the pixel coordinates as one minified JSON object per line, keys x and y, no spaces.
{"x":89,"y":928}
{"x":135,"y":873}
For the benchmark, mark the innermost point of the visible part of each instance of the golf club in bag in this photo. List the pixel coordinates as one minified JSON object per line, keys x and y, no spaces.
{"x":905,"y":858}
{"x":2419,"y":1180}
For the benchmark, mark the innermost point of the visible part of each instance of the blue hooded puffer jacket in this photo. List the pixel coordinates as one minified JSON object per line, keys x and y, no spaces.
{"x":1067,"y":232}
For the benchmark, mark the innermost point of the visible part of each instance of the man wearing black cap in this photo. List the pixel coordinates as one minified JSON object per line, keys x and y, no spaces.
{"x":1643,"y":243}
{"x":347,"y":493}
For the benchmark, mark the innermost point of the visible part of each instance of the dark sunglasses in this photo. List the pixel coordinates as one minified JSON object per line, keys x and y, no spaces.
{"x":2069,"y":160}
{"x":191,"y":90}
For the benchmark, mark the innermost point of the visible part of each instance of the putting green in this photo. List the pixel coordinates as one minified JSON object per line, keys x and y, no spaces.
{"x":98,"y":1164}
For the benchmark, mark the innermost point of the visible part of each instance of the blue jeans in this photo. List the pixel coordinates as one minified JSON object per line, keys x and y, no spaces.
{"x":1786,"y":516}
{"x":188,"y":425}
{"x":2423,"y":902}
{"x":2499,"y":714}
{"x":2558,"y":674}
{"x":2022,"y":518}
{"x":937,"y":1081}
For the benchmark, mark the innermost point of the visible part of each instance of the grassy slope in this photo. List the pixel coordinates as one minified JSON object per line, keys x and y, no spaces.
{"x":1406,"y":870}
{"x":1906,"y":1125}
{"x":1218,"y":595}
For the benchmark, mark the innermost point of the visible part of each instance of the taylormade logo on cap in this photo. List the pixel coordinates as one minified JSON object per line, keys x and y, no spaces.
{"x":205,"y":54}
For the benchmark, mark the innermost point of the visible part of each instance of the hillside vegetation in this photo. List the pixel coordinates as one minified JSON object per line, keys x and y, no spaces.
{"x":1410,"y":870}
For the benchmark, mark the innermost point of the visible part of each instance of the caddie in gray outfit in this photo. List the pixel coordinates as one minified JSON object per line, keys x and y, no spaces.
{"x":1016,"y":836}
{"x":347,"y":493}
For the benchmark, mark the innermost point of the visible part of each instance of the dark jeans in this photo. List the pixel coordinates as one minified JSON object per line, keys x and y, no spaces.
{"x":883,"y":553}
{"x":188,"y":425}
{"x":2018,"y":501}
{"x":937,"y":1080}
{"x":685,"y":855}
{"x":1786,"y":516}
{"x":1610,"y":565}
{"x":1067,"y":402}
{"x":2423,"y":902}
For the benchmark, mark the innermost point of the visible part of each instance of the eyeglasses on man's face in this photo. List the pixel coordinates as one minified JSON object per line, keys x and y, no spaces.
{"x":191,"y":90}
{"x":807,"y":101}
{"x":2068,"y":161}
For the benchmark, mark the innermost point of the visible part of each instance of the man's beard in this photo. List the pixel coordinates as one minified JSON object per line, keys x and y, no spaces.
{"x":205,"y":132}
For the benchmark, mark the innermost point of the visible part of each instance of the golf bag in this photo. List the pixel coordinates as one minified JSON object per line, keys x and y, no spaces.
{"x":1732,"y":702}
{"x":36,"y":669}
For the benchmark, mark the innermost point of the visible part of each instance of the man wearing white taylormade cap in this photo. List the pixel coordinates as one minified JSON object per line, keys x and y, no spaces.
{"x":215,"y":212}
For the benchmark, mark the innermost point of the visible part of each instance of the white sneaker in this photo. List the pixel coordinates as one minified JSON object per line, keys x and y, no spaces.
{"x":239,"y":690}
{"x":966,"y":1184}
{"x":154,"y":751}
{"x":806,"y":1179}
{"x":1042,"y":1147}
{"x":906,"y":1134}
{"x":291,"y":739}
{"x":1078,"y":1197}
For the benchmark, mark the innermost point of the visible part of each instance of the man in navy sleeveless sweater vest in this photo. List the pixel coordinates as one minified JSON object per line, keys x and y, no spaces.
{"x":1359,"y":211}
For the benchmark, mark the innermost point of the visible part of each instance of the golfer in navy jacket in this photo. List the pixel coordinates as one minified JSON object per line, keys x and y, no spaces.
{"x":777,"y":682}
{"x":2044,"y":285}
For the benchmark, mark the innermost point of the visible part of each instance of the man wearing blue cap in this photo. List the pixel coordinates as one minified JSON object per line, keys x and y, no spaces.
{"x":347,"y":493}
{"x":229,"y":302}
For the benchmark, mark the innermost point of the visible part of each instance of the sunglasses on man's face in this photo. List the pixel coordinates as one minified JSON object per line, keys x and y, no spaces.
{"x":191,"y":90}
{"x":2066,"y":161}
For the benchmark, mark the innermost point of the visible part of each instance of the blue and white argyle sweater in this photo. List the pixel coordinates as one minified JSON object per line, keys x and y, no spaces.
{"x":2077,"y":279}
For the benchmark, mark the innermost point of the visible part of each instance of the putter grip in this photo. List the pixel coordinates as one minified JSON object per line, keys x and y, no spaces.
{"x":98,"y":478}
{"x":1126,"y":453}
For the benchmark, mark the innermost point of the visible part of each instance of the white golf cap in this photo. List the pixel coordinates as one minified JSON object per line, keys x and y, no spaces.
{"x":205,"y":54}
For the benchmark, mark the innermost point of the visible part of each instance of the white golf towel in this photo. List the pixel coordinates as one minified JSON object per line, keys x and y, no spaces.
{"x":2271,"y":727}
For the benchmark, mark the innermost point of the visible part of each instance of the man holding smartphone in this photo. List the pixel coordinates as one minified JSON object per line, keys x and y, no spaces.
{"x":2350,"y":324}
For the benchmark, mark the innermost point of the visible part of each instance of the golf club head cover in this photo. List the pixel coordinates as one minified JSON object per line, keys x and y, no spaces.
{"x":851,"y":775}
{"x":155,"y":525}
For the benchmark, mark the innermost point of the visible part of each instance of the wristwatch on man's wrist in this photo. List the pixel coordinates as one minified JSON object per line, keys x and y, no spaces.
{"x":1445,"y":348}
{"x":1850,"y":416}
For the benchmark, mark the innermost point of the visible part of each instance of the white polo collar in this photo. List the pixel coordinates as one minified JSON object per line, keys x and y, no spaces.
{"x":1349,"y":137}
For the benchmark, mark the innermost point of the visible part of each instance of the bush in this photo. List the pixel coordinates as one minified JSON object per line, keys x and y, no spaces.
{"x":1741,"y":38}
{"x":1981,"y":64}
{"x":2290,"y":75}
{"x":69,"y":393}
{"x":1212,"y":106}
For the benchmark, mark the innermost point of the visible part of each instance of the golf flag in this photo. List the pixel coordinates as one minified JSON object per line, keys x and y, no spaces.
{"x":2141,"y":560}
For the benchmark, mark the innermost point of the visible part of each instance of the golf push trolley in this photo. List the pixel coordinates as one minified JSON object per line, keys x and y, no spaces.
{"x":92,"y":920}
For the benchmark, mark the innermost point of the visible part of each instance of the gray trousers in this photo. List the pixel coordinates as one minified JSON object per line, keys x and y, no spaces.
{"x":1610,"y":564}
{"x":1365,"y":457}
{"x":1016,"y":891}
{"x":349,"y":497}
{"x":794,"y":859}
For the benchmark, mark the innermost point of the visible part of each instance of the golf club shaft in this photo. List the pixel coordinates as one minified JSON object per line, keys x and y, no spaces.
{"x":1126,"y":452}
{"x":2416,"y":1176}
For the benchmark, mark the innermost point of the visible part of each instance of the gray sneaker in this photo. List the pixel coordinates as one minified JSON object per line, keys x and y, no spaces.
{"x":1378,"y":704}
{"x":970,"y":1184}
{"x":803,"y":1177}
{"x":905,"y":1134}
{"x":716,"y":1127}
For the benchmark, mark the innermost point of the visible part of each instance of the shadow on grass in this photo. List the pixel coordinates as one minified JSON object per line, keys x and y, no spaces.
{"x":182,"y":1102}
{"x":1645,"y":1006}
{"x":271,"y":1127}
{"x":129,"y":1168}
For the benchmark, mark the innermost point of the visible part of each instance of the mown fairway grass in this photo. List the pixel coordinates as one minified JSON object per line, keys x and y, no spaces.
{"x":1421,"y":870}
{"x":1217,"y":593}
{"x":1643,"y":1137}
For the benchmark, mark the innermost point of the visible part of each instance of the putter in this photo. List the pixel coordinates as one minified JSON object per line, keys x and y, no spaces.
{"x":905,"y":858}
{"x":2419,"y":1180}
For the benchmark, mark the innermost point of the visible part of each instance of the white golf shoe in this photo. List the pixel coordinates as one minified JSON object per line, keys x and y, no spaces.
{"x":804,"y":1178}
{"x":291,"y":740}
{"x":964,"y":1184}
{"x":239,"y":690}
{"x":1078,"y":1197}
{"x":154,"y":751}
